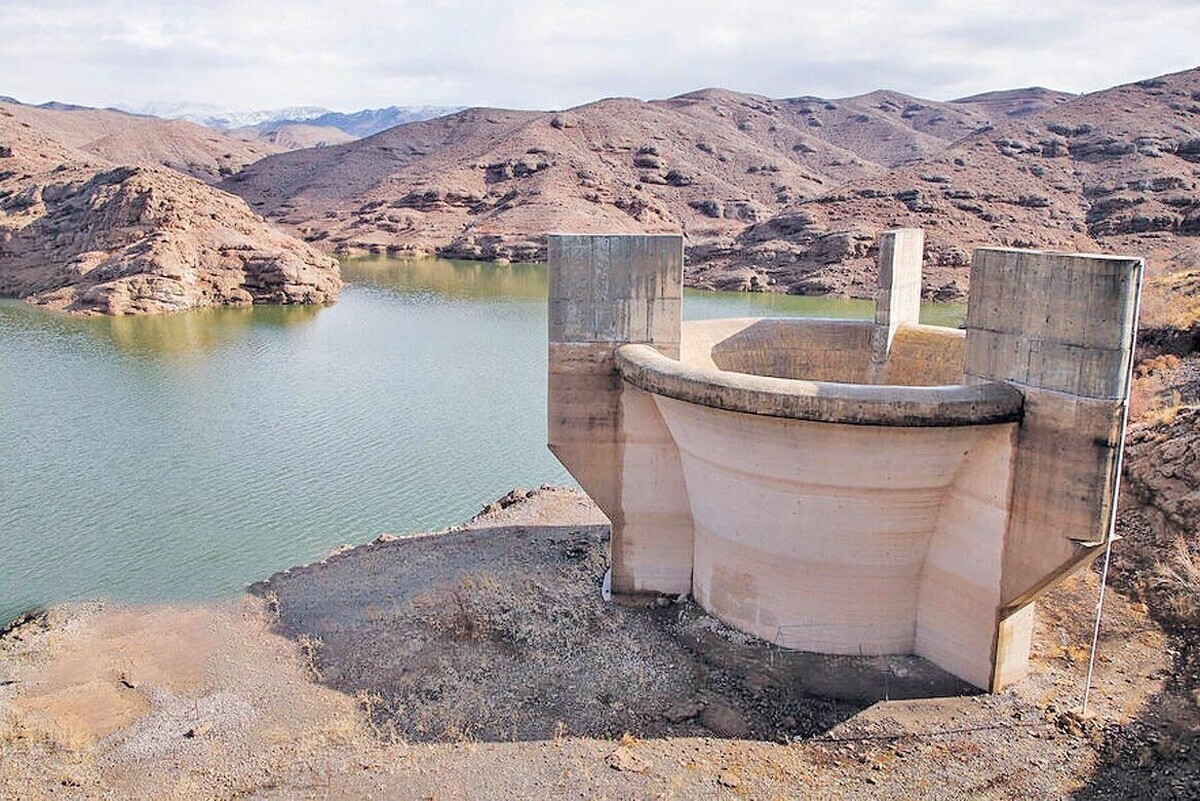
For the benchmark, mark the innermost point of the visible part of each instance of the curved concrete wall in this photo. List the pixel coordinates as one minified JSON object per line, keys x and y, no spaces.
{"x":813,"y":350}
{"x":814,"y":535}
{"x":826,"y":350}
{"x":924,"y":355}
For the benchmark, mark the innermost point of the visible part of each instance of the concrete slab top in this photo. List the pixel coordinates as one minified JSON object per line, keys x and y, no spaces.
{"x":823,"y":401}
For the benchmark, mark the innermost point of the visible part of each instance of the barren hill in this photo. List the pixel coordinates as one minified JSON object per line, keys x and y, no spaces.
{"x":1008,"y":103}
{"x":84,"y":235}
{"x":773,"y":194}
{"x":294,"y":136}
{"x":264,"y":122}
{"x":886,"y":127}
{"x":131,"y":139}
{"x":778,"y":194}
{"x":1113,"y":170}
{"x":487,"y":183}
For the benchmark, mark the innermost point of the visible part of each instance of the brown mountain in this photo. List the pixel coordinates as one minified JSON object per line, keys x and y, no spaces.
{"x":772,"y":194}
{"x":488,"y":183}
{"x":295,"y":136}
{"x":1117,"y":170}
{"x":84,"y":235}
{"x":1009,"y":103}
{"x":132,"y":139}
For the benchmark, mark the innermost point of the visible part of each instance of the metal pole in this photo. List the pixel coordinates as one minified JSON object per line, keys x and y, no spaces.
{"x":1117,"y":473}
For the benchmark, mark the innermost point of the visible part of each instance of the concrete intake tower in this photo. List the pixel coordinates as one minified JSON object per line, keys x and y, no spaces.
{"x":843,"y":486}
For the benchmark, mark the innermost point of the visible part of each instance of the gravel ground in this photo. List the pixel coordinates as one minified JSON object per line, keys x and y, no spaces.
{"x":482,"y":663}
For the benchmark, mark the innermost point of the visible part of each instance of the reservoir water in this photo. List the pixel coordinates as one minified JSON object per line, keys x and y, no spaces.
{"x":185,"y":456}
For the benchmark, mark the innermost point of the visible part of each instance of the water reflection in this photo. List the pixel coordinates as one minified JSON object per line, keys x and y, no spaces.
{"x":483,"y":280}
{"x":449,"y":278}
{"x":200,"y":330}
{"x":194,"y":331}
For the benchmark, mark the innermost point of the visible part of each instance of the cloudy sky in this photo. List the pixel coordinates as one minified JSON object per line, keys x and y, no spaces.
{"x":348,"y":55}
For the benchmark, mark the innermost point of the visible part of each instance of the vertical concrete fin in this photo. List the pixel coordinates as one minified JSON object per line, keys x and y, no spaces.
{"x":960,"y":577}
{"x":898,"y":297}
{"x":1014,"y":636}
{"x":606,"y":291}
{"x":1059,"y":328}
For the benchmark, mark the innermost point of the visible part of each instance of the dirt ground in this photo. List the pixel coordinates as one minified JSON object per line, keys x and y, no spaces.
{"x":482,"y":662}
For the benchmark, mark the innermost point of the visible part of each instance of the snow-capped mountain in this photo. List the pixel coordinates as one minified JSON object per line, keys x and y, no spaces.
{"x":373,"y":120}
{"x":357,"y":124}
{"x":223,"y":120}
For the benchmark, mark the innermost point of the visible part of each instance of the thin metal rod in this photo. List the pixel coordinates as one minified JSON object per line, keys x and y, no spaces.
{"x":1118,"y":469}
{"x":1087,"y":682}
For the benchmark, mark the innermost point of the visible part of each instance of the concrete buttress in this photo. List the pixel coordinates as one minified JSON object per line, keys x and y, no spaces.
{"x":606,"y":291}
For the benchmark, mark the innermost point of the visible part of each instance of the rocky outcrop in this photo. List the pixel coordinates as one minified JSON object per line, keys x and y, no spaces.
{"x":84,"y":237}
{"x":1163,"y":469}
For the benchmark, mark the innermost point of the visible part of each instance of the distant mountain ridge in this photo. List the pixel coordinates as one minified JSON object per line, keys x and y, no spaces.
{"x":211,"y":116}
{"x":489,"y":183}
{"x":359,"y":124}
{"x":1016,"y":102}
{"x":120,"y":137}
{"x":260,"y":123}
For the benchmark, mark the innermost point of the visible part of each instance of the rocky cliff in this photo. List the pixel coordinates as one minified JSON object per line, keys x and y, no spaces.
{"x":83,"y":235}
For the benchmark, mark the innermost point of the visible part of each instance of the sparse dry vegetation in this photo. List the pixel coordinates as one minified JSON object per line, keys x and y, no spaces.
{"x":1177,"y":582}
{"x":1173,"y":300}
{"x":1152,"y":394}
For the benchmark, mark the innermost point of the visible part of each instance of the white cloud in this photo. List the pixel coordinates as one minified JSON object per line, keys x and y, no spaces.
{"x":346,"y":55}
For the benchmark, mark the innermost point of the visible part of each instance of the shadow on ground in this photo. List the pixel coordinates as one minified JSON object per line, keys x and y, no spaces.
{"x":500,"y":634}
{"x":1157,"y":755}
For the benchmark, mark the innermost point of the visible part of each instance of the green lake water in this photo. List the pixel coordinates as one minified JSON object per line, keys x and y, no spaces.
{"x":185,"y":456}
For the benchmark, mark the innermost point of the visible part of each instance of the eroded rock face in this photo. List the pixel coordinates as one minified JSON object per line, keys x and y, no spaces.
{"x":82,"y":236}
{"x":1161,"y":466}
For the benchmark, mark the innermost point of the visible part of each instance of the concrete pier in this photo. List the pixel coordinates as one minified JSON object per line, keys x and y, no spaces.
{"x":606,"y":291}
{"x":848,"y":487}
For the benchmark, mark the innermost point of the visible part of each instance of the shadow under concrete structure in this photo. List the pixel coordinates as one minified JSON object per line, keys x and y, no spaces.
{"x":849,"y":487}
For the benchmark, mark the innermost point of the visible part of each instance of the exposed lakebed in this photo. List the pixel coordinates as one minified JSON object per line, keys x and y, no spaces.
{"x":184,"y":456}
